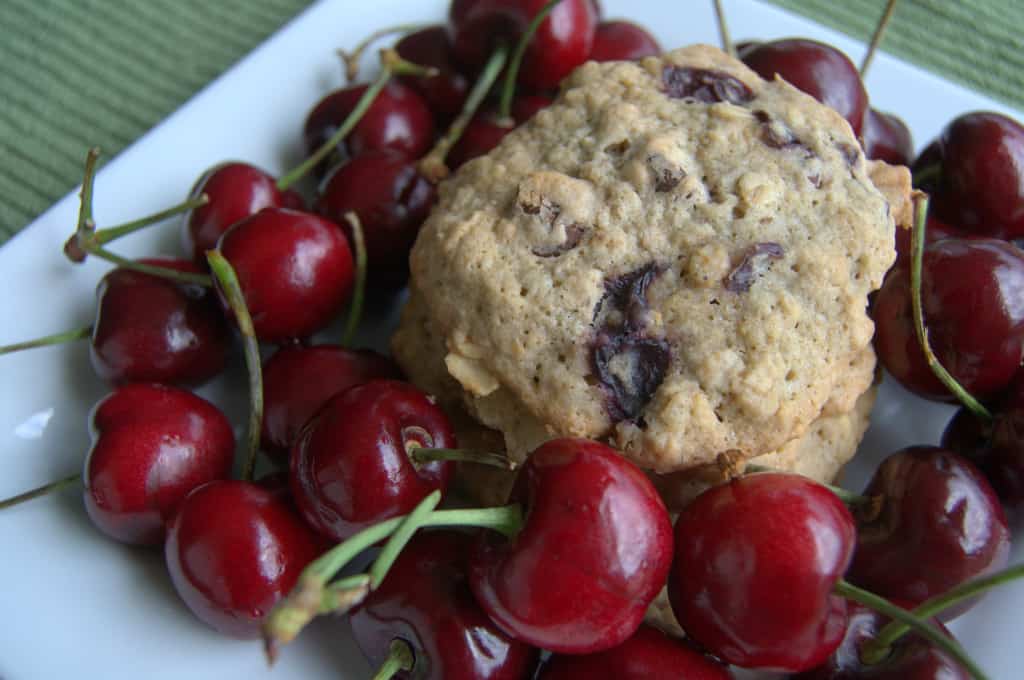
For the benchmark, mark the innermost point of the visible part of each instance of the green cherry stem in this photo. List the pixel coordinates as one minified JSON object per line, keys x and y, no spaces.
{"x":391,"y":64}
{"x":423,"y":455}
{"x":400,"y":658}
{"x":55,"y":339}
{"x":413,"y":521}
{"x":878,"y":649}
{"x":228,"y":284}
{"x":352,"y":59}
{"x":508,"y":88}
{"x":40,"y":491}
{"x":916,"y":263}
{"x":723,"y":30}
{"x":432,"y":166}
{"x":876,"y":38}
{"x":355,"y":308}
{"x":911,"y":620}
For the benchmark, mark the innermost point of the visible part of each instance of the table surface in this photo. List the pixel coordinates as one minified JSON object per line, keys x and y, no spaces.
{"x":82,"y":73}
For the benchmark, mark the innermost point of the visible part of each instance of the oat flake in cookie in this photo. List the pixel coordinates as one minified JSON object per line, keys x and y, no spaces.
{"x":675,"y":255}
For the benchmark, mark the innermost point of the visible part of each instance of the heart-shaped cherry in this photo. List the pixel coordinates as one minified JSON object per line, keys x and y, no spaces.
{"x":621,"y":41}
{"x":593,"y":553}
{"x":445,"y":92}
{"x":234,"y":549}
{"x":426,"y":603}
{"x":151,"y":329}
{"x":295,"y":271}
{"x":887,"y":138}
{"x":756,"y":564}
{"x":151,"y":446}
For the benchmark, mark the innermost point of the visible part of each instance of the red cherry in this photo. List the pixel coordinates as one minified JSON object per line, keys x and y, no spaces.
{"x":151,"y":329}
{"x":937,"y":510}
{"x":936,"y":231}
{"x":236,"y":191}
{"x":350,"y":465}
{"x":648,"y":655}
{"x":151,"y":446}
{"x":398,"y":120}
{"x":298,"y":380}
{"x":756,"y":561}
{"x":996,"y":447}
{"x":593,"y":553}
{"x":295,"y":271}
{"x":485,"y":131}
{"x":887,"y":138}
{"x":622,"y":41}
{"x":562,"y":42}
{"x":970,"y":298}
{"x":392,"y":199}
{"x":425,"y":602}
{"x":446,"y":92}
{"x":234,"y":550}
{"x":818,"y":69}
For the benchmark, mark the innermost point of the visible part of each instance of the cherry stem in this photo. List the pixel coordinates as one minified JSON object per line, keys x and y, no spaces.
{"x":391,"y":64}
{"x":916,"y":263}
{"x":911,"y":620}
{"x":508,"y":88}
{"x":355,"y":309}
{"x":876,"y":38}
{"x":40,"y":491}
{"x":413,"y":521}
{"x":432,"y":166}
{"x":55,"y":339}
{"x":423,"y":455}
{"x":878,"y":649}
{"x":229,"y":286}
{"x":723,"y":30}
{"x":352,"y":59}
{"x":400,"y":658}
{"x":306,"y":599}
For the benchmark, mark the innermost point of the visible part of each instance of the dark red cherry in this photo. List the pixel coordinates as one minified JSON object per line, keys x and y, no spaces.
{"x":152,"y":329}
{"x":756,"y":561}
{"x":295,"y":271}
{"x":151,"y":446}
{"x":425,"y":602}
{"x":979,"y":161}
{"x":648,"y":655}
{"x":973,"y":311}
{"x":392,"y":199}
{"x":887,"y":138}
{"x":593,"y":553}
{"x":912,"y":657}
{"x":350,"y":465}
{"x":562,"y":42}
{"x":298,"y":380}
{"x":234,"y":549}
{"x":486,"y":130}
{"x":446,"y":92}
{"x":936,"y":231}
{"x":398,"y":120}
{"x":621,"y":41}
{"x":938,"y":510}
{"x":818,"y":69}
{"x":236,"y":191}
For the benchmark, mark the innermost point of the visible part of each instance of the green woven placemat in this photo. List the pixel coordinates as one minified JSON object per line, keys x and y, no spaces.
{"x":77,"y":73}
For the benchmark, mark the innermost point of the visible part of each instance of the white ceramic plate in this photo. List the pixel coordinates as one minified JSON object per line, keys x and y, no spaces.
{"x":75,"y":604}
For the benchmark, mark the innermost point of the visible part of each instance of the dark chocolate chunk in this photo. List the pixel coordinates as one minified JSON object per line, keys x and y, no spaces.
{"x":850,"y":153}
{"x":755,"y":262}
{"x":629,"y":368}
{"x":667,"y":175}
{"x":704,"y":85}
{"x":573,"y":236}
{"x":624,"y":305}
{"x":775,"y":133}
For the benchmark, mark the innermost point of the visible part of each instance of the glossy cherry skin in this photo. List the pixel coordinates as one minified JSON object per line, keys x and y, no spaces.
{"x":295,"y":270}
{"x":756,"y":561}
{"x":391,"y":199}
{"x":445,"y":92}
{"x":593,"y":553}
{"x":298,"y":380}
{"x":398,"y":120}
{"x":818,"y":69}
{"x":648,"y":654}
{"x":938,"y":510}
{"x":234,"y":549}
{"x":151,"y":446}
{"x":887,"y":138}
{"x":979,"y":158}
{"x":562,"y":42}
{"x":936,"y":231}
{"x":622,"y":41}
{"x":486,"y":130}
{"x":426,"y":602}
{"x":350,"y":465}
{"x":972,"y":309}
{"x":912,"y":657}
{"x":151,"y":329}
{"x":236,"y":191}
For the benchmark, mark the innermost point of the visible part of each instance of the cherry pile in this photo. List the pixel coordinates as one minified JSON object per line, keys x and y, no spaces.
{"x":768,"y":570}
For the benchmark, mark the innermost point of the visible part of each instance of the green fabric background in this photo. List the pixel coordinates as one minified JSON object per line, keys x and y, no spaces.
{"x":78,"y":73}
